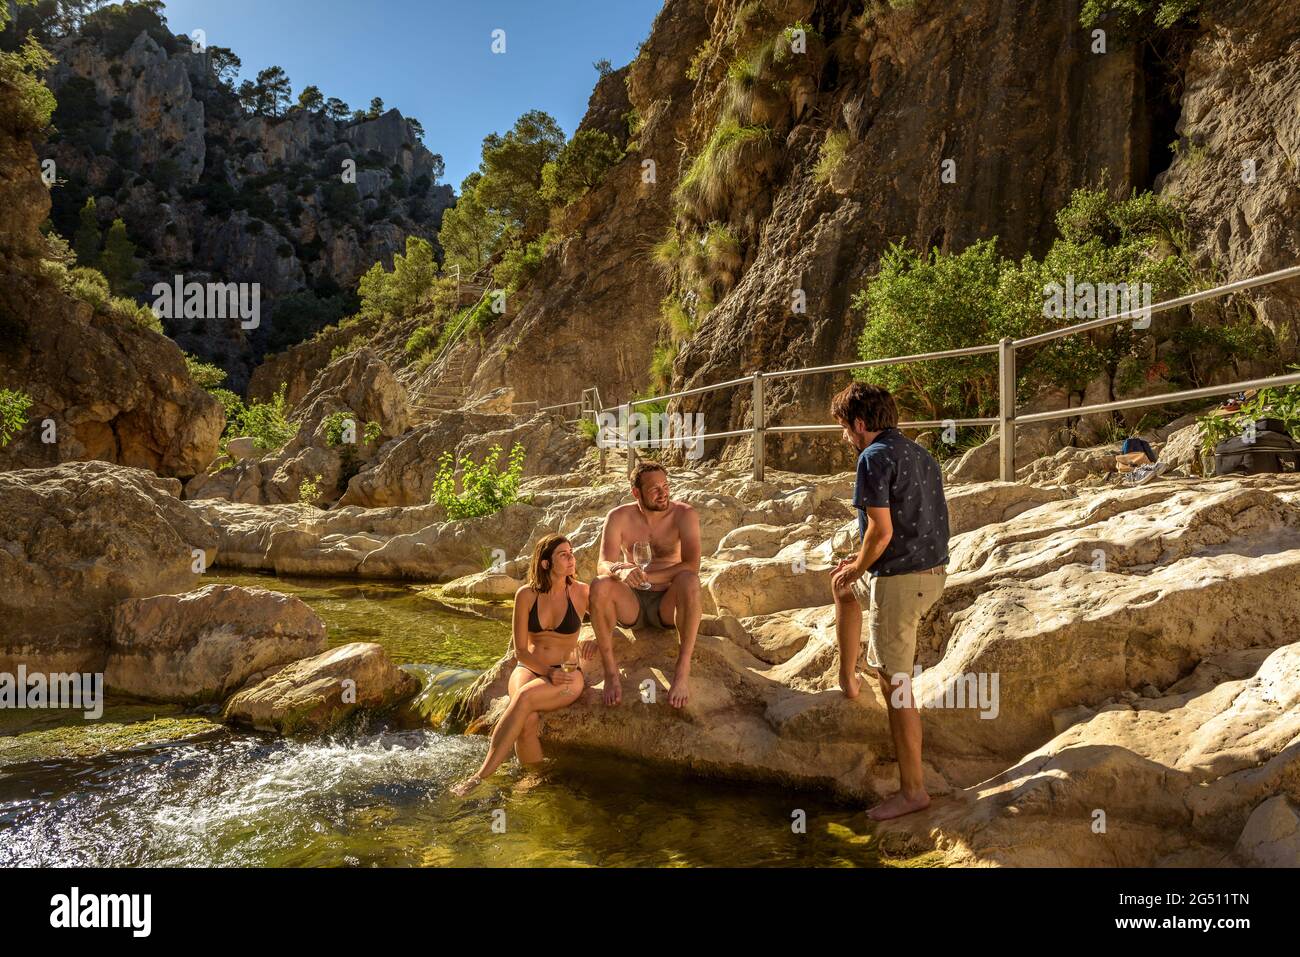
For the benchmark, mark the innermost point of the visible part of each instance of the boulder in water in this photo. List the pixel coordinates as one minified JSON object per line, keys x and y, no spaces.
{"x":316,"y":694}
{"x":203,"y":645}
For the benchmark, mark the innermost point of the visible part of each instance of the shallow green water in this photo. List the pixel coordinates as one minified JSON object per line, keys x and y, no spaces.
{"x":412,"y":625}
{"x":379,"y":797}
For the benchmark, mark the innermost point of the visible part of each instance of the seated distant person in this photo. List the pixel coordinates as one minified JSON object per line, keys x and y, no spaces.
{"x":903,"y":550}
{"x":665,"y":594}
{"x":548,"y":675}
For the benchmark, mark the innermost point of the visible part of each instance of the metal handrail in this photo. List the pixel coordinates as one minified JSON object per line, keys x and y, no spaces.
{"x":1164,"y":398}
{"x":1007,"y":418}
{"x":459,"y":329}
{"x":1175,"y":303}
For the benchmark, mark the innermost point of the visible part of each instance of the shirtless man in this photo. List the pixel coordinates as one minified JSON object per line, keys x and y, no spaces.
{"x":673,"y":598}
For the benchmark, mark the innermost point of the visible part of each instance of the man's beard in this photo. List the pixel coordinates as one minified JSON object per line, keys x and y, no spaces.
{"x":652,"y":507}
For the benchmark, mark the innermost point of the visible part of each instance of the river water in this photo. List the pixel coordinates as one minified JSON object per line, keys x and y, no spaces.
{"x":367,"y":797}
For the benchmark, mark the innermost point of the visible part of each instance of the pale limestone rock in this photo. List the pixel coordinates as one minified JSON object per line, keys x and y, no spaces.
{"x":203,"y":645}
{"x":315,"y":694}
{"x":77,"y":539}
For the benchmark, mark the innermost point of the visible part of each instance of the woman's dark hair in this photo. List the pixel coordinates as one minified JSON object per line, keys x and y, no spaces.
{"x":538,"y":577}
{"x":871,"y":403}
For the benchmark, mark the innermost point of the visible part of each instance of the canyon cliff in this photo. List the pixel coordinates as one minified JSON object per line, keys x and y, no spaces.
{"x":1013,"y":98}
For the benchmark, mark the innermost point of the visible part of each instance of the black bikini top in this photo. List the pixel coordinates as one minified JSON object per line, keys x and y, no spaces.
{"x":569,"y":625}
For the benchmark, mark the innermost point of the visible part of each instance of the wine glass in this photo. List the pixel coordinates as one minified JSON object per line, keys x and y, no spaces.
{"x":570,"y":662}
{"x":643,"y":555}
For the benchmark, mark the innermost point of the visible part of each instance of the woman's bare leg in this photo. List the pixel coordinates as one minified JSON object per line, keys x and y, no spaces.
{"x":528,"y":749}
{"x":533,"y":696}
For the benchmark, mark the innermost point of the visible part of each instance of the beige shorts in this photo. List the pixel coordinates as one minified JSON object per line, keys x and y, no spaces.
{"x":894,"y":605}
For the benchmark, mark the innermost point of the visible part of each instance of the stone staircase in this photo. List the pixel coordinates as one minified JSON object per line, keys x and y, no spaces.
{"x":445,"y":393}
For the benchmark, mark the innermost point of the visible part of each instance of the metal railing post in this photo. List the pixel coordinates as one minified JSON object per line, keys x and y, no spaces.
{"x":759,"y":424}
{"x":1007,"y":409}
{"x":625,"y":414}
{"x":600,"y":443}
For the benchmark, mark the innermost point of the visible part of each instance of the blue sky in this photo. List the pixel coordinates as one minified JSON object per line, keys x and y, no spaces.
{"x":433,"y":59}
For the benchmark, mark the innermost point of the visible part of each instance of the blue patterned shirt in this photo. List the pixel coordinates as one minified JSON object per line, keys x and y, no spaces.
{"x":896,"y":473}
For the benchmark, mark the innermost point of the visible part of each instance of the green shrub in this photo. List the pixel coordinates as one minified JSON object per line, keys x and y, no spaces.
{"x":485,"y":489}
{"x":1201,"y":348}
{"x":24,"y":97}
{"x":89,"y":286}
{"x":13,"y":413}
{"x":230,"y":402}
{"x":672,"y":314}
{"x":309,"y":490}
{"x":412,"y":284}
{"x":205,"y":374}
{"x":722,"y":249}
{"x":661,"y":364}
{"x":668,"y":251}
{"x":833,"y":150}
{"x":581,"y":164}
{"x":521,"y":263}
{"x":1161,"y":13}
{"x":266,"y":422}
{"x":421,"y":340}
{"x":938,"y":301}
{"x":335,"y":424}
{"x":131,"y":311}
{"x":708,"y":182}
{"x":118,"y":262}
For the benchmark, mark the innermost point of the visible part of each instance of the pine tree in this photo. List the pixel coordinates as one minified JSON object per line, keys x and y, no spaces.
{"x":337,"y":110}
{"x":273,"y":83}
{"x":86,"y":240}
{"x":118,"y":263}
{"x":311,"y":99}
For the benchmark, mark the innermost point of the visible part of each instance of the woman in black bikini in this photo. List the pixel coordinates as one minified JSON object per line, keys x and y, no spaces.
{"x":548,"y":616}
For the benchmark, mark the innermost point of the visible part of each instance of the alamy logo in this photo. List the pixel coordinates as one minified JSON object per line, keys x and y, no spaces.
{"x":103,"y":910}
{"x":660,"y":430}
{"x":1091,"y":300}
{"x":209,"y":300}
{"x":977,"y":691}
{"x":55,"y":690}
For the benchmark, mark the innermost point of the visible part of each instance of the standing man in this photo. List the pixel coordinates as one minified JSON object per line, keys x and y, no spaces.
{"x":673,"y":596}
{"x":903,"y":521}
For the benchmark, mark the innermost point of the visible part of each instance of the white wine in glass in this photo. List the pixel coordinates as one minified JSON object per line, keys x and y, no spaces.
{"x":643,"y":555}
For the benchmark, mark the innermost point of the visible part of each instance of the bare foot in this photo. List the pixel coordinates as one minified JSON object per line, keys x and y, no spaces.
{"x":897,"y":805}
{"x":679,"y":692}
{"x":464,"y":787}
{"x":850,"y":685}
{"x":531,"y":779}
{"x":613,"y":685}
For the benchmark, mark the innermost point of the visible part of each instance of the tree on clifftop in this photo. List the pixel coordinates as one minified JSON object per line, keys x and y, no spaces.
{"x":512,"y":169}
{"x":311,"y":99}
{"x":337,"y":110}
{"x":273,"y":84}
{"x":225,"y":65}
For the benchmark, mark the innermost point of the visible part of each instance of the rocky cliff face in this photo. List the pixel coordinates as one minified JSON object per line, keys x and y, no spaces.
{"x":1009,"y":92}
{"x":300,"y":203}
{"x":102,"y":386}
